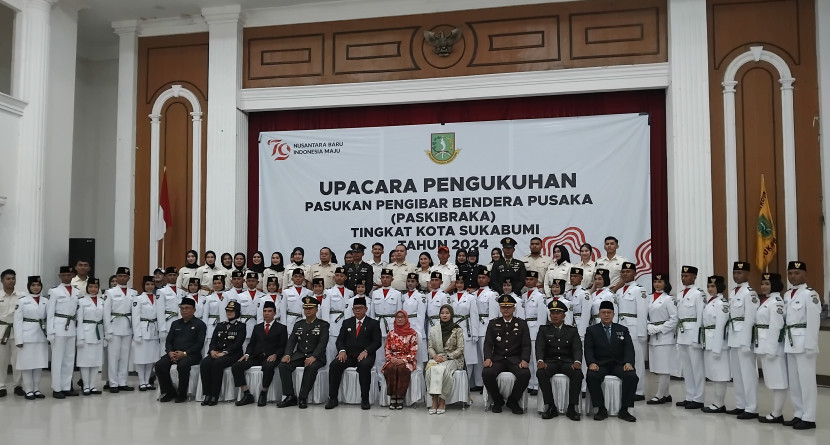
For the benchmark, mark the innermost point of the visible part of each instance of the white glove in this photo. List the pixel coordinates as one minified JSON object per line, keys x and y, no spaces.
{"x":50,"y":338}
{"x":652,"y":329}
{"x":79,"y":342}
{"x":106,"y":343}
{"x":745,"y":349}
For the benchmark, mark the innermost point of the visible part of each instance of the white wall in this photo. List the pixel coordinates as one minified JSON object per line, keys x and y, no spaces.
{"x":10,"y":131}
{"x":93,"y":159}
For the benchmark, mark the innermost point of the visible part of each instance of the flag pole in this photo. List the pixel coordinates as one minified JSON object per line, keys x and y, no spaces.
{"x":763,"y":182}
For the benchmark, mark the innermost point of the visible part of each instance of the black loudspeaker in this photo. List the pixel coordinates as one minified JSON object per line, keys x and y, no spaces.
{"x":82,"y":248}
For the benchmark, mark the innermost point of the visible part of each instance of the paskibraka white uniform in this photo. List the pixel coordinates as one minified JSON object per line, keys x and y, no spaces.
{"x":60,"y":327}
{"x":743,"y":303}
{"x":689,"y":349}
{"x":801,"y":346}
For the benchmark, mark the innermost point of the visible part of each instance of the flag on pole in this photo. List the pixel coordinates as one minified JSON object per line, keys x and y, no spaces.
{"x":165,"y":215}
{"x":766,"y":242}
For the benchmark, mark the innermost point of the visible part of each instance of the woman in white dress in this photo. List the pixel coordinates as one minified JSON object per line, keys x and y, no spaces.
{"x":424,"y":264}
{"x":559,"y":269}
{"x":214,"y":306}
{"x":90,"y":340}
{"x":715,"y":350}
{"x":602,"y":279}
{"x":446,"y":355}
{"x":30,"y":338}
{"x":414,"y":303}
{"x":275,"y":270}
{"x":146,"y":346}
{"x":662,"y":344}
{"x":272,"y":293}
{"x":769,"y":344}
{"x":465,"y":309}
{"x":194,"y":286}
{"x":207,"y":271}
{"x":588,"y":266}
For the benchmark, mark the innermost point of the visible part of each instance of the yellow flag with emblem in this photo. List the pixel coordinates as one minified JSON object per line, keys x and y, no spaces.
{"x":766,"y":241}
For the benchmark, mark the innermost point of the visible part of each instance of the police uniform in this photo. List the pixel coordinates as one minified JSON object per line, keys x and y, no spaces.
{"x":307,"y":340}
{"x":769,"y":345}
{"x":414,"y":303}
{"x":324,"y":271}
{"x":632,"y":312}
{"x":715,"y":350}
{"x":469,"y":273}
{"x":556,"y":272}
{"x":361,"y":271}
{"x":214,"y":305}
{"x":61,"y":330}
{"x":743,"y":304}
{"x":511,"y":270}
{"x":146,"y":320}
{"x":662,"y":345}
{"x":30,"y":340}
{"x":90,"y":338}
{"x":507,"y":344}
{"x":8,"y":350}
{"x":226,"y":342}
{"x":801,"y":346}
{"x":118,"y":306}
{"x":559,"y":348}
{"x":294,"y":296}
{"x":690,"y":305}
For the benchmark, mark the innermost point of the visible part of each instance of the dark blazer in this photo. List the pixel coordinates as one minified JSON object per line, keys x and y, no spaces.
{"x":368,"y":340}
{"x":228,"y":337}
{"x":308,"y":340}
{"x":598,"y":350}
{"x":507,"y":341}
{"x":262,"y":345}
{"x":558,"y":345}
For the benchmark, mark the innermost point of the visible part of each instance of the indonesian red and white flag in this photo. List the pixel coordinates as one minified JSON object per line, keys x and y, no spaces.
{"x":165,"y":215}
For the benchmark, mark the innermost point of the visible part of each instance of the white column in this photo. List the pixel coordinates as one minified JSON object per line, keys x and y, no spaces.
{"x":823,"y":44}
{"x":688,"y":139}
{"x":225,"y":155}
{"x":125,"y":147}
{"x":196,"y":208}
{"x":33,"y":89}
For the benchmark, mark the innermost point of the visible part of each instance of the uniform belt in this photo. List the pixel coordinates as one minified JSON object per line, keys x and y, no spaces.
{"x":170,"y":314}
{"x":412,"y":315}
{"x":729,"y":322}
{"x":682,"y":322}
{"x":7,"y":332}
{"x":215,"y":319}
{"x":702,"y":334}
{"x":39,"y":321}
{"x":432,"y":318}
{"x":467,"y":319}
{"x":339,"y":317}
{"x":577,"y":314}
{"x":384,"y":317}
{"x":790,"y":328}
{"x":293,"y":314}
{"x":755,"y":332}
{"x":127,"y":316}
{"x":247,"y":317}
{"x":624,"y":315}
{"x":150,"y":320}
{"x":531,"y":318}
{"x":658,"y":323}
{"x":69,"y":319}
{"x":96,"y":323}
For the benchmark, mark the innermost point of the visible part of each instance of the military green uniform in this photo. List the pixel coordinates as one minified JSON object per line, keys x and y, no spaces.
{"x":357,"y":272}
{"x":306,"y":340}
{"x":511,"y":270}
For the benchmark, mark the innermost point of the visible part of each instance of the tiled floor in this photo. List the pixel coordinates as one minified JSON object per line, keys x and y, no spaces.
{"x":136,"y":418}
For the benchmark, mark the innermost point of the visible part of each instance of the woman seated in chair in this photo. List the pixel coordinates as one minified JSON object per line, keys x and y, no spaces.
{"x":401,"y":349}
{"x":446,"y":355}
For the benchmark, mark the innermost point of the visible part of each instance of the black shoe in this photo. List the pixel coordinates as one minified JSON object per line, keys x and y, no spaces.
{"x":288,"y":401}
{"x":142,"y":388}
{"x":767,"y":419}
{"x":80,"y":383}
{"x":262,"y":400}
{"x":181,"y":399}
{"x":106,"y":386}
{"x":735,"y":411}
{"x":694,"y":405}
{"x":206,"y":401}
{"x":533,"y":392}
{"x":514,"y":406}
{"x":477,"y":389}
{"x":167,"y":398}
{"x":804,"y":425}
{"x":682,"y":403}
{"x":551,"y":412}
{"x":18,"y":391}
{"x":58,"y":395}
{"x":332,"y":403}
{"x":39,"y":395}
{"x":247,"y":399}
{"x":715,"y":410}
{"x":152,"y":380}
{"x":71,"y":393}
{"x":602,"y":414}
{"x":365,"y":405}
{"x":114,"y":390}
{"x":625,"y":415}
{"x":584,"y":394}
{"x":303,"y":404}
{"x":792,"y":422}
{"x":747,"y":416}
{"x":214,"y":401}
{"x":639,"y":398}
{"x":572,"y":414}
{"x":126,"y":388}
{"x":655,"y":401}
{"x":86,"y":392}
{"x":30,"y":396}
{"x":497,"y":407}
{"x":150,"y":387}
{"x":3,"y":392}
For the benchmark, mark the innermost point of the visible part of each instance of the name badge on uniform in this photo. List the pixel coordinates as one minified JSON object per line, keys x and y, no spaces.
{"x":498,"y":338}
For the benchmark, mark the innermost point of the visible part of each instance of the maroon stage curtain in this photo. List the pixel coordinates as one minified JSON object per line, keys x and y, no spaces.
{"x":651,"y":102}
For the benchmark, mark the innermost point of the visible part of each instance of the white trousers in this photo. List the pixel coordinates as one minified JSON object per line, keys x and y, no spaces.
{"x":694,"y":375}
{"x":90,"y":378}
{"x":474,"y":371}
{"x":744,"y":369}
{"x":8,"y":355}
{"x":118,"y":357}
{"x":802,"y":382}
{"x":63,"y":363}
{"x":640,"y":348}
{"x":31,"y":380}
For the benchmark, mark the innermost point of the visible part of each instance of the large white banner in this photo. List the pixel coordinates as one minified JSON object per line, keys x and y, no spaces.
{"x":565,"y":180}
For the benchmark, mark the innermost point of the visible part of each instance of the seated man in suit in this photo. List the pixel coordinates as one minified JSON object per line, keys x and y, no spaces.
{"x":357,"y":343}
{"x":506,"y":349}
{"x":183,"y":347}
{"x":266,"y":347}
{"x":306,"y":347}
{"x":610,"y":351}
{"x":559,"y":351}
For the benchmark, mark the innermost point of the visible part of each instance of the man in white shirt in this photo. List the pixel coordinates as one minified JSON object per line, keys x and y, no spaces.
{"x":400,"y":268}
{"x":448,"y":270}
{"x":377,"y":264}
{"x":81,"y":277}
{"x":612,"y":262}
{"x":536,"y":261}
{"x":8,"y":351}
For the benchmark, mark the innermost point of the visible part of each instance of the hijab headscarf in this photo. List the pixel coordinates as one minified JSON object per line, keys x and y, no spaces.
{"x":279,"y":267}
{"x":447,"y":326}
{"x":406,"y":329}
{"x":244,"y":262}
{"x":258,"y":268}
{"x":212,"y":266}
{"x":230,"y":261}
{"x":195,"y":262}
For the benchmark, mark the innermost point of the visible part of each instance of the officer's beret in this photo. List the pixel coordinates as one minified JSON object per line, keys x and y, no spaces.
{"x":434,"y":275}
{"x":482,"y":270}
{"x":94,"y":281}
{"x":219,"y":277}
{"x":412,"y":276}
{"x":339,"y":270}
{"x":689,"y":269}
{"x":187,"y":301}
{"x":34,"y":279}
{"x":251,"y":275}
{"x":309,"y":302}
{"x":558,"y":306}
{"x":472,"y":252}
{"x":386,"y":272}
{"x":297,"y":271}
{"x":507,"y":300}
{"x":629,"y":266}
{"x":357,"y":247}
{"x":576,"y":271}
{"x":232,"y":306}
{"x":237,"y":274}
{"x":269,"y":304}
{"x":740,"y":265}
{"x":171,"y":269}
{"x":531,"y":274}
{"x":193,"y":280}
{"x":606,"y":305}
{"x":508,"y":242}
{"x":65,"y":269}
{"x":146,"y":279}
{"x":122,"y":271}
{"x":359,"y":301}
{"x":319,"y":281}
{"x":274,"y":280}
{"x":797,"y":265}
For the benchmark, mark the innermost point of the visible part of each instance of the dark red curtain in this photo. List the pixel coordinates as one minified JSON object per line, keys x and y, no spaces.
{"x":652,"y":102}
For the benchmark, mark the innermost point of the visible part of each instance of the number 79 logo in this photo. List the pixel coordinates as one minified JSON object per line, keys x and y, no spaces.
{"x":279,"y":149}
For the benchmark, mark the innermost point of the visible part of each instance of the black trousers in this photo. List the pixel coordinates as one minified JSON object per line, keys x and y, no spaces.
{"x":364,"y":372}
{"x":309,"y":376}
{"x":489,"y":376}
{"x":162,"y":368}
{"x":268,"y":369}
{"x":212,"y":370}
{"x":629,"y":379}
{"x":553,"y":368}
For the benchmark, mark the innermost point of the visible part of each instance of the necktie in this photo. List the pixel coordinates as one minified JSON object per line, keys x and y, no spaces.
{"x":385,"y":293}
{"x":37,"y":300}
{"x":150,"y":296}
{"x":357,"y":332}
{"x":608,"y":333}
{"x":656,"y":296}
{"x":267,"y":327}
{"x":124,"y":289}
{"x":95,"y":301}
{"x":793,"y":293}
{"x":479,"y":292}
{"x":737,"y":288}
{"x":625,"y":289}
{"x":685,"y":291}
{"x":299,"y":290}
{"x":174,"y":289}
{"x":69,"y":290}
{"x":342,"y":291}
{"x":459,"y":295}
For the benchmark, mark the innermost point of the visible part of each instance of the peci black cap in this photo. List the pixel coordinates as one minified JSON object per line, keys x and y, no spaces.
{"x":386,"y":272}
{"x":219,"y":277}
{"x":412,"y":276}
{"x":629,"y":266}
{"x":237,"y":274}
{"x":359,"y":301}
{"x":319,"y":281}
{"x":357,"y":247}
{"x":606,"y":305}
{"x":193,"y":280}
{"x":577,"y":271}
{"x":171,"y":269}
{"x":740,"y":265}
{"x":339,"y":270}
{"x":122,"y":271}
{"x":251,"y":275}
{"x":297,"y":271}
{"x":797,"y":265}
{"x":532,"y":274}
{"x":689,"y":269}
{"x":435,"y":275}
{"x":274,"y":280}
{"x":482,"y":270}
{"x":187,"y":301}
{"x":269,"y":304}
{"x":65,"y":269}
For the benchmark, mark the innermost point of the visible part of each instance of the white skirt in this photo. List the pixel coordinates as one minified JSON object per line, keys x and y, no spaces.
{"x":146,"y":352}
{"x":90,"y":355}
{"x":662,"y":359}
{"x":775,"y":370}
{"x":470,"y":350}
{"x":717,"y":366}
{"x":32,"y":356}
